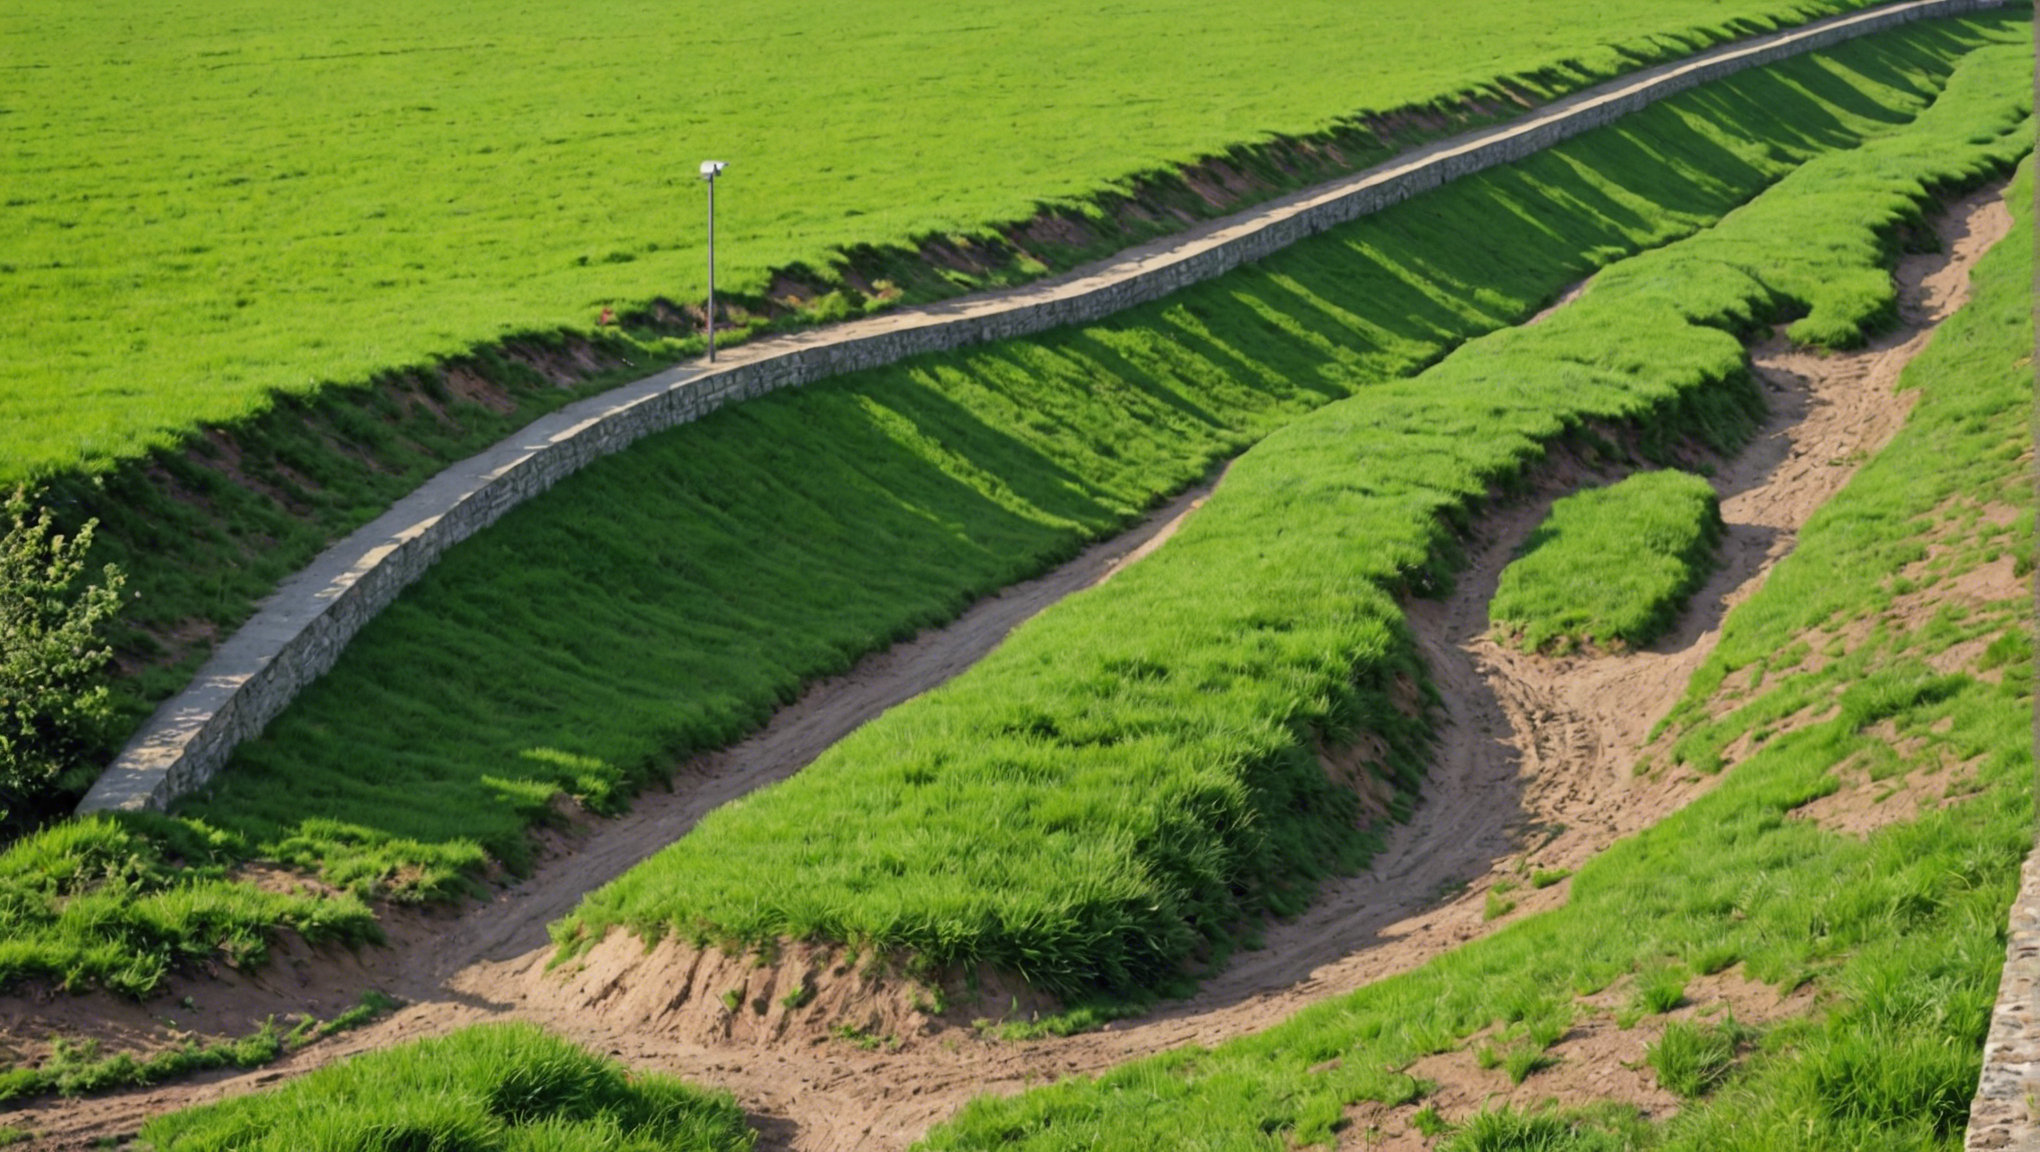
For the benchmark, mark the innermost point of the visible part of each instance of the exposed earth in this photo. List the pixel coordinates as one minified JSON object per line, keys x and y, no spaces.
{"x":1537,"y":768}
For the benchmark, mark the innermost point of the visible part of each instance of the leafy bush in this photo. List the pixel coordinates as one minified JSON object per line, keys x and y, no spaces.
{"x":52,"y":698}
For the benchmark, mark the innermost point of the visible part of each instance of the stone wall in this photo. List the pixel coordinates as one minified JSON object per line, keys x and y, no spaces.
{"x":299,"y":631}
{"x":2006,"y":1111}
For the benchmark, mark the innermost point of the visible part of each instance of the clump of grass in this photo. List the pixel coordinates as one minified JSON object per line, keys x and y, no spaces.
{"x":1711,"y":958}
{"x":1497,"y":905}
{"x":1659,"y":990}
{"x":1690,"y":1059}
{"x":1524,"y":1059}
{"x":491,"y":1086}
{"x":861,"y":1039}
{"x":1544,"y":878}
{"x":1610,"y":566}
{"x":1507,"y":1129}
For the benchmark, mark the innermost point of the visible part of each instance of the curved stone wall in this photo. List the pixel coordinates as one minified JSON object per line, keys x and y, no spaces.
{"x":300,"y":629}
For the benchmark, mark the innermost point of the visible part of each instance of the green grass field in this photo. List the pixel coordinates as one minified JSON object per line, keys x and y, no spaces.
{"x":1133,"y":773}
{"x":1900,"y":933}
{"x":314,"y":197}
{"x":491,"y":1088}
{"x":1610,"y":567}
{"x":664,"y":601}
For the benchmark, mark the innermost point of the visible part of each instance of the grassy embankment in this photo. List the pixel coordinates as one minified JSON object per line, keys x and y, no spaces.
{"x":665,"y":601}
{"x":307,"y":200}
{"x":261,"y":335}
{"x":75,"y":1069}
{"x":494,"y":1088}
{"x":1862,"y":654}
{"x":1610,"y":567}
{"x":1135,"y":772}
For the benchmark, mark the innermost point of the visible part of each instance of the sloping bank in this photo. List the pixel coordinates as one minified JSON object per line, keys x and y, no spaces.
{"x":1897,"y":933}
{"x":664,"y":600}
{"x":1136,"y":771}
{"x":315,"y":613}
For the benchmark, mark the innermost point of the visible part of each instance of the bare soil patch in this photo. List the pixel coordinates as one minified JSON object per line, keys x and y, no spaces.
{"x":1597,"y":1060}
{"x":1536,"y":768}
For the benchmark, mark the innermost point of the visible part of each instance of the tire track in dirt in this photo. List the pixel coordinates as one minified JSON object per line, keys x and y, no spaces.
{"x":1536,"y":759}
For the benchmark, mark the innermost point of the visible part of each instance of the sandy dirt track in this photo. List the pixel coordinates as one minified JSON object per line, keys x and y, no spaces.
{"x":1529,"y":746}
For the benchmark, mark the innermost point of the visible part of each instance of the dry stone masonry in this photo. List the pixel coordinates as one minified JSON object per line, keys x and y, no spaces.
{"x":2006,"y":1112}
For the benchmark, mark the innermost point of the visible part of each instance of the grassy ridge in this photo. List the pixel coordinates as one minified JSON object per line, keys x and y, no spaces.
{"x":1133,"y":772}
{"x":1610,"y":565}
{"x":266,"y":234}
{"x":663,"y":601}
{"x":492,"y":1088}
{"x":1900,"y":933}
{"x":599,"y":631}
{"x":118,"y":902}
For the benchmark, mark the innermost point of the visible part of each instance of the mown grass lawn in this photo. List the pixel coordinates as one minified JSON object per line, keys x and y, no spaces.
{"x":219,"y":200}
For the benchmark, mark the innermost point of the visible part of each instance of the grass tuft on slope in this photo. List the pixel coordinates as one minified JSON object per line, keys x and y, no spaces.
{"x":490,"y":1088}
{"x":1134,"y":772}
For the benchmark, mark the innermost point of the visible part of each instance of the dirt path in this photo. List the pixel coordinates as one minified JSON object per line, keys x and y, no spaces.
{"x":1535,"y":763}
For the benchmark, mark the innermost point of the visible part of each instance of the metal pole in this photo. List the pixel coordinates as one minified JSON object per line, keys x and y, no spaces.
{"x":711,"y":269}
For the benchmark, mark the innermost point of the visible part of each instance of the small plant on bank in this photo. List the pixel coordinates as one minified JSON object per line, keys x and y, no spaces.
{"x":1524,"y":1059}
{"x":52,"y":700}
{"x":1690,"y":1059}
{"x":862,"y":1040}
{"x":1660,"y":990}
{"x":1498,"y":903}
{"x":1429,"y":1123}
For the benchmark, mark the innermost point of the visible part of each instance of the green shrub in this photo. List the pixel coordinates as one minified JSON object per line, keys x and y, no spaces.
{"x":52,"y":695}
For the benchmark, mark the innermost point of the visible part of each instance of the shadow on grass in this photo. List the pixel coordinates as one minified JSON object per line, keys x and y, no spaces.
{"x":664,"y":601}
